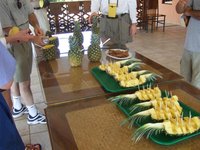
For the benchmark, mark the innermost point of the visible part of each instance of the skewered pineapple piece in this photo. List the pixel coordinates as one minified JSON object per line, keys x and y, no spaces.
{"x":116,"y":70}
{"x":157,"y":103}
{"x":148,"y":94}
{"x":142,"y":79}
{"x":174,"y":126}
{"x":164,"y":112}
{"x":129,"y":76}
{"x":143,"y":95}
{"x":104,"y":67}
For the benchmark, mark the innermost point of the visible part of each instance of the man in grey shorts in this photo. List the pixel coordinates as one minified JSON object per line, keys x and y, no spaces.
{"x":118,"y":21}
{"x":20,"y":13}
{"x":190,"y":62}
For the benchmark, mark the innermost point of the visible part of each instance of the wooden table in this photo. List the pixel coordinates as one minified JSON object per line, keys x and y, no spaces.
{"x":93,"y":123}
{"x":62,"y":83}
{"x":69,"y":90}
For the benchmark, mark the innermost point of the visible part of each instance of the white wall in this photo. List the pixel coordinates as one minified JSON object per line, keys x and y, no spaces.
{"x":170,"y":12}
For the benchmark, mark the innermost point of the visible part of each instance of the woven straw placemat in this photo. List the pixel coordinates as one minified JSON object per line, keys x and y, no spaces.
{"x":187,"y":99}
{"x":98,"y":128}
{"x":147,"y":67}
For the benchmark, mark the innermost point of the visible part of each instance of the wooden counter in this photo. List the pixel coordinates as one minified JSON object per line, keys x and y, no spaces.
{"x":93,"y":123}
{"x":62,"y":83}
{"x":78,"y":113}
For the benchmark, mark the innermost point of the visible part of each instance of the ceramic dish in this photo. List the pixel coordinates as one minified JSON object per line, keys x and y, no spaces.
{"x":118,"y":58}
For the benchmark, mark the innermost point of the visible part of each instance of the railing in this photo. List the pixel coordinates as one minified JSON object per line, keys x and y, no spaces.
{"x":63,"y":14}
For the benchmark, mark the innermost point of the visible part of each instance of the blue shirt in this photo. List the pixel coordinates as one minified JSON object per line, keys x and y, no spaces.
{"x":7,"y":65}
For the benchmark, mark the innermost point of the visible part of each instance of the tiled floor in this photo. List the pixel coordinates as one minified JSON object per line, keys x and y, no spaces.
{"x":163,"y":47}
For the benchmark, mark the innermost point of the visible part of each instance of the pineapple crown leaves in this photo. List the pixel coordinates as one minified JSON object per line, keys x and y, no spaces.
{"x":128,"y":61}
{"x":77,"y":26}
{"x":149,"y":129}
{"x":124,"y":99}
{"x":77,"y":32}
{"x":95,"y":39}
{"x":140,"y":106}
{"x":73,"y":42}
{"x":133,"y":120}
{"x":94,"y":20}
{"x":95,"y":27}
{"x":153,"y":76}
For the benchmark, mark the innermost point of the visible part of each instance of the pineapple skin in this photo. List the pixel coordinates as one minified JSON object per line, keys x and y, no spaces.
{"x":75,"y":55}
{"x":78,"y":34}
{"x":95,"y":25}
{"x":49,"y":52}
{"x":75,"y":58}
{"x":94,"y":53}
{"x":54,"y":41}
{"x":94,"y":50}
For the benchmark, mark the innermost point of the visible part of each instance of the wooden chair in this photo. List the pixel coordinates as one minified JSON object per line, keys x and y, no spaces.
{"x":154,"y":19}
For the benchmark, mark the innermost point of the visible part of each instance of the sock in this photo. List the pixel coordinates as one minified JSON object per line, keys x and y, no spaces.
{"x":32,"y":110}
{"x":17,"y":102}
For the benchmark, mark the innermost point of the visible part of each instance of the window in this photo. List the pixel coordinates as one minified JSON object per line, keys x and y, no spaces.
{"x":167,"y":2}
{"x":63,"y":0}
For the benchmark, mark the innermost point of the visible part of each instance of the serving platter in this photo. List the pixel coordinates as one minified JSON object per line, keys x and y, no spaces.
{"x":162,"y":138}
{"x":110,"y":84}
{"x":118,"y":58}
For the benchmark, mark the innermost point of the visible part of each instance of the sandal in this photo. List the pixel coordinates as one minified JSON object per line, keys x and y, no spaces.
{"x":33,"y":147}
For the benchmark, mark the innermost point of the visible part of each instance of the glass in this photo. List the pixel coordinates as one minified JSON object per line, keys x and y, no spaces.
{"x":45,"y":40}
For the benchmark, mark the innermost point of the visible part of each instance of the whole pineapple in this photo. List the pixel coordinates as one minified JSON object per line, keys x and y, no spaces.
{"x":75,"y":55}
{"x":54,"y":40}
{"x":49,"y":52}
{"x":78,"y":34}
{"x":94,"y":50}
{"x":95,"y":25}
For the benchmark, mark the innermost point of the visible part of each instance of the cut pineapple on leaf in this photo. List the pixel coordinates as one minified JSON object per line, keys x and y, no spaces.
{"x":141,"y":95}
{"x":176,"y":127}
{"x":162,"y":112}
{"x":142,"y":79}
{"x":121,"y":76}
{"x":157,"y":103}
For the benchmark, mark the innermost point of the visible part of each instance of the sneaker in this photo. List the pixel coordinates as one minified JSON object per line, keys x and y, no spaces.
{"x":38,"y":119}
{"x":18,"y":113}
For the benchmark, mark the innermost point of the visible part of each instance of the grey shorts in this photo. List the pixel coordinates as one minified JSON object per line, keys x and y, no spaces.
{"x":190,"y":67}
{"x":117,"y":29}
{"x":24,"y":57}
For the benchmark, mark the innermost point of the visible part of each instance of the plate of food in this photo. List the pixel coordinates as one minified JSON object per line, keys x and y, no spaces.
{"x":171,"y":131}
{"x":118,"y":54}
